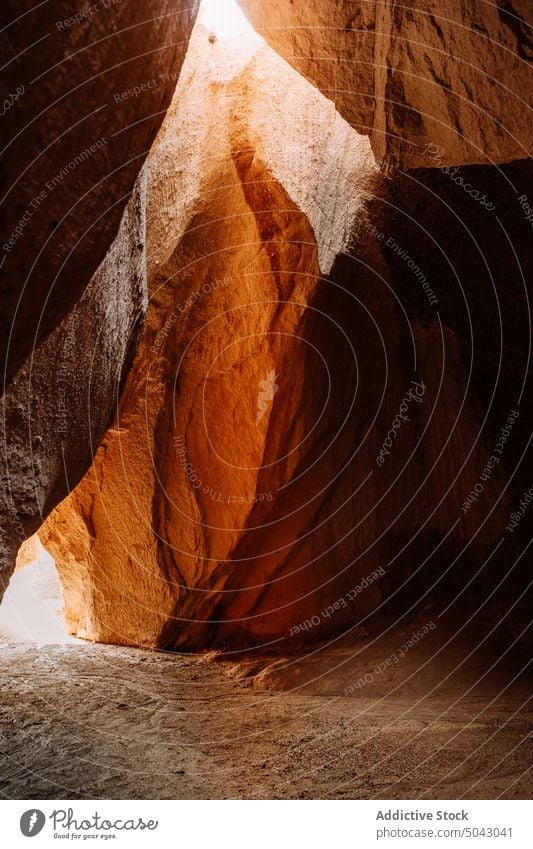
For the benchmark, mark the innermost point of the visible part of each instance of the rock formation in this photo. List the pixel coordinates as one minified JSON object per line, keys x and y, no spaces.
{"x":57,"y":406}
{"x":434,"y":73}
{"x":298,"y":437}
{"x":85,"y":88}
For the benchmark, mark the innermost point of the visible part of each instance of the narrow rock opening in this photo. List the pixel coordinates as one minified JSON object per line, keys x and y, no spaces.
{"x":32,"y":608}
{"x":279,"y":438}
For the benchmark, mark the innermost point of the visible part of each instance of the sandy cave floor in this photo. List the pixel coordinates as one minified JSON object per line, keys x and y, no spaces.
{"x":82,"y":721}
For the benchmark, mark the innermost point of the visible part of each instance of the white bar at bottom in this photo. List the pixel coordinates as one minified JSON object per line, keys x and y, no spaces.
{"x":268,"y":824}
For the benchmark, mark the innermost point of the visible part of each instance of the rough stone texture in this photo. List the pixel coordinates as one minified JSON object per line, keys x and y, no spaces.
{"x":56,"y":408}
{"x":59,"y":81}
{"x":238,"y":493}
{"x":269,"y":254}
{"x":30,"y":551}
{"x":477,"y":260}
{"x":225,"y":108}
{"x":438,"y":72}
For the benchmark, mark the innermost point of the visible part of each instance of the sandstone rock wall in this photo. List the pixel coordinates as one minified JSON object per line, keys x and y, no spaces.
{"x":258,"y":472}
{"x":56,"y":408}
{"x":453,"y":75}
{"x":84,"y":89}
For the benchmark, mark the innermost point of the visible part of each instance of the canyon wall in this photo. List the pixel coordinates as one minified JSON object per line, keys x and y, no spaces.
{"x":454,"y":75}
{"x":85,"y":88}
{"x":299,"y":437}
{"x":57,"y":406}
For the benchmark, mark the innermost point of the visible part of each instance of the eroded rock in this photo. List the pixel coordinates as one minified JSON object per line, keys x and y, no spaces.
{"x":85,"y":88}
{"x":419,"y":74}
{"x":290,"y":448}
{"x":56,"y":408}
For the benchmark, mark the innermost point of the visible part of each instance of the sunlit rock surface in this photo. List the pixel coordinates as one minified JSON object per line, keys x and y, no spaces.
{"x":85,"y":88}
{"x":32,"y":608}
{"x":289,"y":448}
{"x":410,"y":75}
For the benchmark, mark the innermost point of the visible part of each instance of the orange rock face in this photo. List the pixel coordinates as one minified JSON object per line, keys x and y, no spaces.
{"x":423,"y":73}
{"x":85,"y":88}
{"x":271,"y":475}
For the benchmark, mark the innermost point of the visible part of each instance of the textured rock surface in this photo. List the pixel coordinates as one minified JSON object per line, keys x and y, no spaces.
{"x":438,"y":72}
{"x":76,"y":136}
{"x":56,"y":408}
{"x":239,"y":492}
{"x":85,"y":88}
{"x":248,"y":248}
